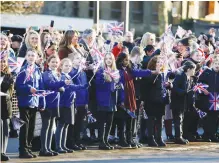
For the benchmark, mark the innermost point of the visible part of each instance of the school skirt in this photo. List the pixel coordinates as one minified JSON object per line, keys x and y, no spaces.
{"x":67,"y":115}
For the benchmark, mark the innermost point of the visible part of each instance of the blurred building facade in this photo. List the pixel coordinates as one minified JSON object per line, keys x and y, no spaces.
{"x":151,"y":16}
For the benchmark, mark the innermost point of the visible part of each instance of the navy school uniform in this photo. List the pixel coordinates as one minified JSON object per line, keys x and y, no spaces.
{"x":54,"y":83}
{"x":67,"y":100}
{"x":28,"y":104}
{"x":24,"y":96}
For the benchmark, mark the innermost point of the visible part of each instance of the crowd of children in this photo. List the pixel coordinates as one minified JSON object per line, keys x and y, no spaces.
{"x":121,"y":87}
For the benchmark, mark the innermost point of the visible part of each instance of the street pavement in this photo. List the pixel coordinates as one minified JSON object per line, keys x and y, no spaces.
{"x":197,"y":152}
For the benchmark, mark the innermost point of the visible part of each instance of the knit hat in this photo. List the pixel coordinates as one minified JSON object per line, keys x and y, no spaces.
{"x":17,"y":38}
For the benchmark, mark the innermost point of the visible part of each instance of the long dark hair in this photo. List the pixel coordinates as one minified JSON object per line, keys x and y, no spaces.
{"x":120,"y":59}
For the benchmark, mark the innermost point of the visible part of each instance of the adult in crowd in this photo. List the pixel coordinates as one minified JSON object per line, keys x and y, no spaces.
{"x":5,"y":45}
{"x":16,"y":41}
{"x":69,"y":44}
{"x":31,"y":41}
{"x":129,"y":41}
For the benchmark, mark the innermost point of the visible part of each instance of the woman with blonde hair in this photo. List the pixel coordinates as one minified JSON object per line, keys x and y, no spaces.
{"x":106,"y":79}
{"x":32,"y":41}
{"x":147,"y":39}
{"x":5,"y":45}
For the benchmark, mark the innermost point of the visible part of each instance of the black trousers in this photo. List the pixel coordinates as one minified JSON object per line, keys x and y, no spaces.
{"x":125,"y":129}
{"x":178,"y":123}
{"x":210,"y":123}
{"x":105,"y":120}
{"x":28,"y":115}
{"x":73,"y":136}
{"x":154,"y":122}
{"x":190,"y":123}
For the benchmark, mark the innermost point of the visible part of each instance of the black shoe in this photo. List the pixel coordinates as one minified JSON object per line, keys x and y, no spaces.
{"x":111,"y":147}
{"x":133,"y":144}
{"x":103,"y":146}
{"x":68,"y":150}
{"x":140,"y":145}
{"x":161,"y":143}
{"x":4,"y":157}
{"x":76,"y":148}
{"x":45,"y":153}
{"x":181,"y":141}
{"x":82,"y":147}
{"x":61,"y":151}
{"x":214,"y":138}
{"x":152,"y":142}
{"x":54,"y":153}
{"x":34,"y":156}
{"x":25,"y":155}
{"x":170,"y":137}
{"x":190,"y":138}
{"x":124,"y":144}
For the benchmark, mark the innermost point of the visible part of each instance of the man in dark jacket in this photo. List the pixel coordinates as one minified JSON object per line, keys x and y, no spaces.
{"x":129,"y":42}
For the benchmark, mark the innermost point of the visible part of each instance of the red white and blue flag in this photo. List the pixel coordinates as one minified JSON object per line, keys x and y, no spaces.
{"x":116,"y":28}
{"x":214,"y":100}
{"x":199,"y":87}
{"x":15,"y":63}
{"x":113,"y":74}
{"x":42,"y":93}
{"x":201,"y":114}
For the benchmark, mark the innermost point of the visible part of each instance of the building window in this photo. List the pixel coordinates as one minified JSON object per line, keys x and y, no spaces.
{"x":137,"y":12}
{"x":75,"y":8}
{"x":116,"y":12}
{"x":154,"y":14}
{"x":91,"y":9}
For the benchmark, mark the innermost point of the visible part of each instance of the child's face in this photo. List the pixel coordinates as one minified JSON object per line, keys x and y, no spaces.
{"x":108,"y":60}
{"x":33,"y":40}
{"x":215,"y":66}
{"x":197,"y":57}
{"x":159,"y":64}
{"x":66,"y":67}
{"x":46,"y":38}
{"x":54,"y":63}
{"x":181,"y":48}
{"x":125,"y":62}
{"x":52,"y":50}
{"x":77,"y":60}
{"x":136,"y":59}
{"x":31,"y":57}
{"x":3,"y":64}
{"x":191,"y":72}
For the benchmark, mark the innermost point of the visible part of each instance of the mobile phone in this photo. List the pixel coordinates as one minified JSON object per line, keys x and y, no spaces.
{"x":52,"y":23}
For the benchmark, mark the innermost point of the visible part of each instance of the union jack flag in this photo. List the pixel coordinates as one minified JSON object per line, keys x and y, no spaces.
{"x":115,"y":75}
{"x":15,"y":64}
{"x":214,"y":100}
{"x":42,"y":93}
{"x":116,"y":28}
{"x":200,"y":87}
{"x":29,"y":73}
{"x":180,"y":32}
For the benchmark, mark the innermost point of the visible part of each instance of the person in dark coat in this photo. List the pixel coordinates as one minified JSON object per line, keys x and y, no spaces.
{"x":208,"y":100}
{"x":16,"y":41}
{"x":129,"y":42}
{"x":191,"y":117}
{"x":182,"y":98}
{"x":6,"y":105}
{"x":52,"y":81}
{"x":27,"y":83}
{"x":127,"y":98}
{"x":156,"y":97}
